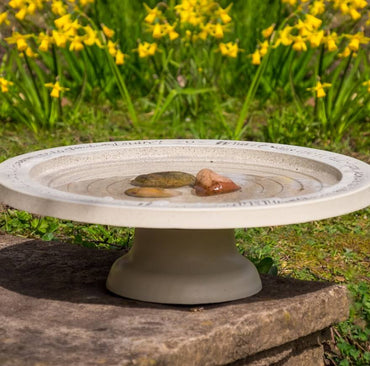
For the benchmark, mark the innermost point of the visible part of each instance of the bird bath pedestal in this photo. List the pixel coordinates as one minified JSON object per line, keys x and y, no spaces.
{"x":184,"y":249}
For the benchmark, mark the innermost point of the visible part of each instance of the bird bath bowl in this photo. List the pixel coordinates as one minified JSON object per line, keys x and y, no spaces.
{"x":184,"y":249}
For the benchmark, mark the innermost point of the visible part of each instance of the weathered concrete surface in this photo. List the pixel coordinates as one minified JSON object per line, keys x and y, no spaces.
{"x":55,"y":310}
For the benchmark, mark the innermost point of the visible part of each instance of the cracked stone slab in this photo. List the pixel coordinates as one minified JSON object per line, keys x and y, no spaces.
{"x":55,"y":310}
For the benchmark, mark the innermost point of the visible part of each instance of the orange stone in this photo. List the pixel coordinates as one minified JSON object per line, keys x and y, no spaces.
{"x":151,"y":192}
{"x":209,"y":183}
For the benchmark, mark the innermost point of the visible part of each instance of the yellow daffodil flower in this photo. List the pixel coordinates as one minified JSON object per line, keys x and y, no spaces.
{"x":346,"y":52}
{"x":16,"y":4}
{"x":158,"y":31}
{"x":299,"y":44}
{"x":112,"y":48}
{"x":170,"y":30}
{"x":45,"y":41}
{"x":218,"y":31}
{"x":229,"y":49}
{"x":152,"y":15}
{"x":285,"y":36}
{"x":85,"y":2}
{"x":331,"y":41}
{"x":63,"y":22}
{"x":91,"y":37}
{"x":120,"y":58}
{"x":58,"y":8}
{"x":266,"y":33}
{"x":4,"y":18}
{"x":19,"y":40}
{"x":356,"y":40}
{"x":319,"y":89}
{"x":317,"y":7}
{"x":312,"y":22}
{"x":56,"y":89}
{"x":367,"y":84}
{"x":59,"y":38}
{"x":223,"y":14}
{"x":30,"y":53}
{"x":264,"y":48}
{"x":109,"y":33}
{"x":21,"y":14}
{"x":290,"y":2}
{"x":4,"y":85}
{"x":76,"y":44}
{"x":147,"y":49}
{"x":256,"y":57}
{"x":316,"y":38}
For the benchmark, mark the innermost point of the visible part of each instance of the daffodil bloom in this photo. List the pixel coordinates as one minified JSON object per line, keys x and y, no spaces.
{"x":58,"y":8}
{"x":85,"y":2}
{"x":120,"y":58}
{"x":30,"y":53}
{"x":21,"y":14}
{"x":355,"y":15}
{"x":319,"y":89}
{"x":229,"y":49}
{"x":56,"y":89}
{"x":147,"y":49}
{"x":346,"y":52}
{"x":223,"y":14}
{"x":264,"y":48}
{"x":170,"y":30}
{"x":299,"y":44}
{"x":4,"y":85}
{"x":16,"y":4}
{"x":356,"y":40}
{"x":152,"y":15}
{"x":59,"y":38}
{"x":256,"y":57}
{"x":45,"y":41}
{"x":218,"y":32}
{"x":112,"y":48}
{"x":4,"y":18}
{"x":63,"y":22}
{"x":285,"y":36}
{"x":331,"y":41}
{"x":91,"y":37}
{"x":109,"y":33}
{"x":158,"y":31}
{"x":266,"y":33}
{"x":19,"y":40}
{"x":316,"y":38}
{"x":317,"y":7}
{"x":312,"y":22}
{"x":290,"y":2}
{"x":367,"y":84}
{"x":303,"y":28}
{"x":76,"y":44}
{"x":205,"y":30}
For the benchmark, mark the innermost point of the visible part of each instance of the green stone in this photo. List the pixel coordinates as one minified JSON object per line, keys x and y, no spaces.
{"x":171,"y":179}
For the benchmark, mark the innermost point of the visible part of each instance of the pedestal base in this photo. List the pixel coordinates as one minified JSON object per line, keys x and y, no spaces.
{"x":184,"y":267}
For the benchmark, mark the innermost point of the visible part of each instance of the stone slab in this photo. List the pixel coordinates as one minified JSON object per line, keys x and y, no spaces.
{"x":55,"y":310}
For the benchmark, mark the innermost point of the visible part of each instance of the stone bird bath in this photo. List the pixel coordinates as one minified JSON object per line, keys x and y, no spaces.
{"x":184,"y":248}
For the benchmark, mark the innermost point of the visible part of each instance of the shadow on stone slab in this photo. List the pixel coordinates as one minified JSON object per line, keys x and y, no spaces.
{"x":67,"y":272}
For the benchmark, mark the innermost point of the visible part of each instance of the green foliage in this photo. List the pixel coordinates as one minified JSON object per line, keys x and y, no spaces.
{"x":189,"y":77}
{"x":47,"y":228}
{"x":352,"y":346}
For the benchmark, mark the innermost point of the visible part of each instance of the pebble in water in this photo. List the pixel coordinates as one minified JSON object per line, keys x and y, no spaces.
{"x":209,"y":183}
{"x":151,"y":192}
{"x":172,"y":179}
